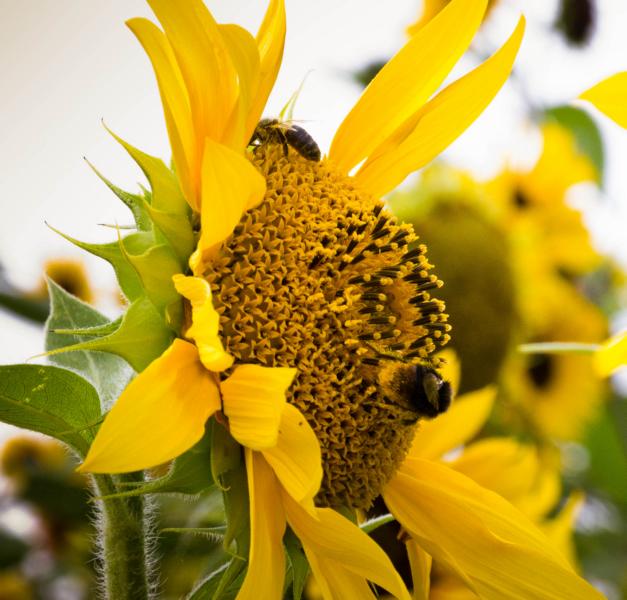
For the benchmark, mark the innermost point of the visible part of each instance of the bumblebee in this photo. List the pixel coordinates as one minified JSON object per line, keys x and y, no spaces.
{"x":416,"y":387}
{"x":287,"y":134}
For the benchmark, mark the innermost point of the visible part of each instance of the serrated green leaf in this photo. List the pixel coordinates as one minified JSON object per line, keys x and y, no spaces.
{"x":190,"y":474}
{"x":166,"y":192}
{"x":298,"y":567}
{"x":49,"y":400}
{"x":141,"y":337}
{"x":155,"y":268}
{"x":223,"y":584}
{"x":107,"y":373}
{"x":176,"y":229}
{"x":586,"y":132}
{"x":135,"y":243}
{"x":134,"y":202}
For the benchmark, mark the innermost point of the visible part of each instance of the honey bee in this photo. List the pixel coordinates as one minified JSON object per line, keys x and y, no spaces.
{"x":416,"y":387}
{"x":288,"y":134}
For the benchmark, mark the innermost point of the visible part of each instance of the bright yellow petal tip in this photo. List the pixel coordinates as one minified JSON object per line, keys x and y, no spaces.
{"x":610,"y":97}
{"x":611,"y":355}
{"x":160,"y":414}
{"x":254,"y":398}
{"x":205,"y":322}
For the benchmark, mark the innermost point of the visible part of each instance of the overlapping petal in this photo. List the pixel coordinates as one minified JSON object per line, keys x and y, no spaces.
{"x":205,"y":322}
{"x":253,"y":398}
{"x":341,"y":554}
{"x":266,"y":560}
{"x":486,"y":541}
{"x":394,"y":96}
{"x":439,"y":122}
{"x":420,"y":565}
{"x":160,"y":414}
{"x":610,"y":97}
{"x":455,"y":427}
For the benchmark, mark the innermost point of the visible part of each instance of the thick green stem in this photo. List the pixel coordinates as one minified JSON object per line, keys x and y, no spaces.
{"x":123,"y":534}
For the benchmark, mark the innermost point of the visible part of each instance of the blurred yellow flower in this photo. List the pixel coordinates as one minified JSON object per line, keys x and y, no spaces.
{"x":430,"y":8}
{"x":71,"y":275}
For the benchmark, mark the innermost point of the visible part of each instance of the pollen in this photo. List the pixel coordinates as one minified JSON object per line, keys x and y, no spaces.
{"x":320,"y":277}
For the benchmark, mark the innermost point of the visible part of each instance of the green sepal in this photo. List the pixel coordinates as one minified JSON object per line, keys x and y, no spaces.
{"x":188,"y":474}
{"x":236,"y":506}
{"x":134,"y":202}
{"x":176,"y":229}
{"x":49,"y":400}
{"x":222,"y":584}
{"x":297,"y":564}
{"x":135,"y":243}
{"x":585,"y":131}
{"x":141,"y":337}
{"x":226,"y":453}
{"x":371,"y":524}
{"x":155,"y":268}
{"x":166,"y":192}
{"x":97,"y":331}
{"x":109,"y":374}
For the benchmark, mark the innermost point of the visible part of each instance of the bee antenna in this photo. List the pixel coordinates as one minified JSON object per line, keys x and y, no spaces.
{"x":287,"y":112}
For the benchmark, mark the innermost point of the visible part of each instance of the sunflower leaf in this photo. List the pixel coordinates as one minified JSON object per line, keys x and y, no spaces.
{"x":107,"y":373}
{"x":49,"y":400}
{"x":586,"y":132}
{"x":141,"y":337}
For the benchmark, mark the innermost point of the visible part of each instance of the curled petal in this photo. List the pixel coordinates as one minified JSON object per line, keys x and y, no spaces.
{"x":205,"y":322}
{"x":254,"y":400}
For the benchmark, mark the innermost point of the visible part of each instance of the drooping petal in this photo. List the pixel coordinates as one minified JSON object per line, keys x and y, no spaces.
{"x":338,"y":584}
{"x":271,"y":41}
{"x":406,"y":82}
{"x":254,"y":398}
{"x":230,"y":186}
{"x":610,"y":97}
{"x":343,"y":549}
{"x":455,"y":427}
{"x":178,"y":116}
{"x":205,"y":322}
{"x":502,"y":465}
{"x":160,"y":414}
{"x":475,"y":532}
{"x":611,"y":355}
{"x":439,"y":122}
{"x":266,"y":561}
{"x":296,"y":458}
{"x":420,"y":564}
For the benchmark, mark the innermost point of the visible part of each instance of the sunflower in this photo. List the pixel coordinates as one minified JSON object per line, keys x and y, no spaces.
{"x":302,"y":296}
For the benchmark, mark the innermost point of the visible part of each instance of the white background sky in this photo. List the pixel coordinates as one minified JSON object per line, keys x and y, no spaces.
{"x":66,"y":64}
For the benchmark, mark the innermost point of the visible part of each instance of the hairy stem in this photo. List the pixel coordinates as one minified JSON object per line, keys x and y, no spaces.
{"x":123,"y":534}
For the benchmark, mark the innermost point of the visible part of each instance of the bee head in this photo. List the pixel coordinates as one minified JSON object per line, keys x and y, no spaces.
{"x":432,"y":395}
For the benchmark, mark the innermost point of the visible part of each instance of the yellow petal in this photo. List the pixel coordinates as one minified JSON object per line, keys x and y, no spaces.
{"x":333,"y":541}
{"x":455,"y":427}
{"x":209,"y":74}
{"x":205,"y":322}
{"x":160,"y":414}
{"x":336,"y":583}
{"x":175,"y":102}
{"x":610,"y":97}
{"x":483,"y":538}
{"x":406,"y":82}
{"x":502,"y":465}
{"x":420,"y":564}
{"x":296,"y":458}
{"x":266,"y":560}
{"x":439,"y":122}
{"x":254,"y":398}
{"x":561,"y":528}
{"x":544,"y":495}
{"x":270,"y":40}
{"x":230,"y":186}
{"x":611,"y":355}
{"x":245,"y":56}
